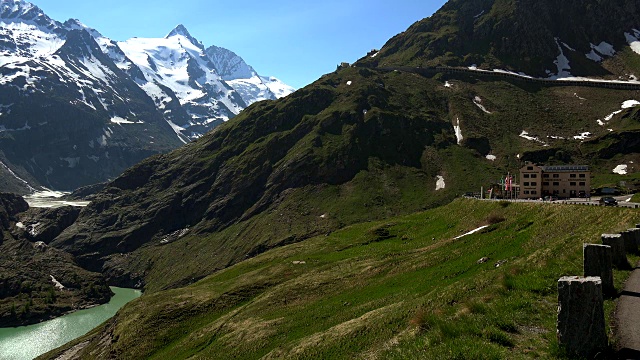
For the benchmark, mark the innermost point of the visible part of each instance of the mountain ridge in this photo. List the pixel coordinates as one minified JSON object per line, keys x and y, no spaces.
{"x":502,"y":34}
{"x":31,"y":45}
{"x":181,"y":30}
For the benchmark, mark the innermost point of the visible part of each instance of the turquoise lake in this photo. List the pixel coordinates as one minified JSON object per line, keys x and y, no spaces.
{"x":27,"y":342}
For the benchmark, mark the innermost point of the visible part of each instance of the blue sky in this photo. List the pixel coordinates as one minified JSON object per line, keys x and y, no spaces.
{"x":294,"y":41}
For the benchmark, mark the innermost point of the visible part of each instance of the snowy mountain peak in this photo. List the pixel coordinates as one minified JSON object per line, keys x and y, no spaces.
{"x":181,"y":30}
{"x":23,"y":11}
{"x":14,"y":8}
{"x":75,"y":24}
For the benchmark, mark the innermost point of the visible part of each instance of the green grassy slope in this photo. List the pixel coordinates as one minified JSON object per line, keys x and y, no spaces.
{"x":264,"y":179}
{"x":399,"y":288}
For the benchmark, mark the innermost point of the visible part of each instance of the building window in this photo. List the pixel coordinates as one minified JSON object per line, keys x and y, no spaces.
{"x":545,"y":176}
{"x":583,"y":175}
{"x":530,"y":168}
{"x":534,"y":192}
{"x":582,"y":183}
{"x":526,"y":192}
{"x":572,"y":175}
{"x":555,"y":176}
{"x":546,"y":183}
{"x":555,"y":183}
{"x":534,"y":184}
{"x":534,"y":176}
{"x":526,"y":176}
{"x":526,"y":184}
{"x":573,"y":183}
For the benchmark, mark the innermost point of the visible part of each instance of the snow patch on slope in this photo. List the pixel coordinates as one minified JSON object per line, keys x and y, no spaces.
{"x":625,"y":105}
{"x":604,"y":48}
{"x":16,"y":176}
{"x":620,"y":170}
{"x":525,"y":135}
{"x":458,"y":131}
{"x":583,"y":136}
{"x":118,"y":120}
{"x":562,"y":62}
{"x":56,"y":283}
{"x":440,"y":184}
{"x":634,"y":40}
{"x":478,"y":101}
{"x":472,"y":232}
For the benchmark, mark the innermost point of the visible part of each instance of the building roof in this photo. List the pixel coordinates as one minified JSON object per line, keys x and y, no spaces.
{"x":565,"y":168}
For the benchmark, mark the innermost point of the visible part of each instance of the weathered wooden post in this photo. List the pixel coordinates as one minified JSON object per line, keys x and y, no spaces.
{"x":630,"y":244}
{"x":581,"y":326}
{"x":597,"y":262}
{"x":618,"y":253}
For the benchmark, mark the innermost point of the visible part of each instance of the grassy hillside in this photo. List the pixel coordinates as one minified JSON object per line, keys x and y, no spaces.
{"x":357,"y":145}
{"x":394,"y":289}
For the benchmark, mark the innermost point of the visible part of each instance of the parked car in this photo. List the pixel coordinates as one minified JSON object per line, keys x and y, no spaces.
{"x":608,"y":201}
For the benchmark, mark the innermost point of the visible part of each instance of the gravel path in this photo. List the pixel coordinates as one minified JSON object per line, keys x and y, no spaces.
{"x":628,"y":318}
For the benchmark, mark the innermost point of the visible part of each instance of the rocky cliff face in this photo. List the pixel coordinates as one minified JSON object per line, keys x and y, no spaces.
{"x":38,"y":282}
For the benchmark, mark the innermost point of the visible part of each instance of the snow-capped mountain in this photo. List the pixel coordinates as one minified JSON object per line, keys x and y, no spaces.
{"x":178,"y":62}
{"x":78,"y":108}
{"x":244,"y":79}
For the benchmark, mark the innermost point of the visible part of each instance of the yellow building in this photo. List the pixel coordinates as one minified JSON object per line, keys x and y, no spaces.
{"x":564,"y":181}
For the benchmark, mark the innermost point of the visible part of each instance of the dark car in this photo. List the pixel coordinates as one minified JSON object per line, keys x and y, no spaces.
{"x":608,"y":201}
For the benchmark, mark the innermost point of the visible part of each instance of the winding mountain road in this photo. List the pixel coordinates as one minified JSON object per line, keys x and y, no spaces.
{"x":598,"y":83}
